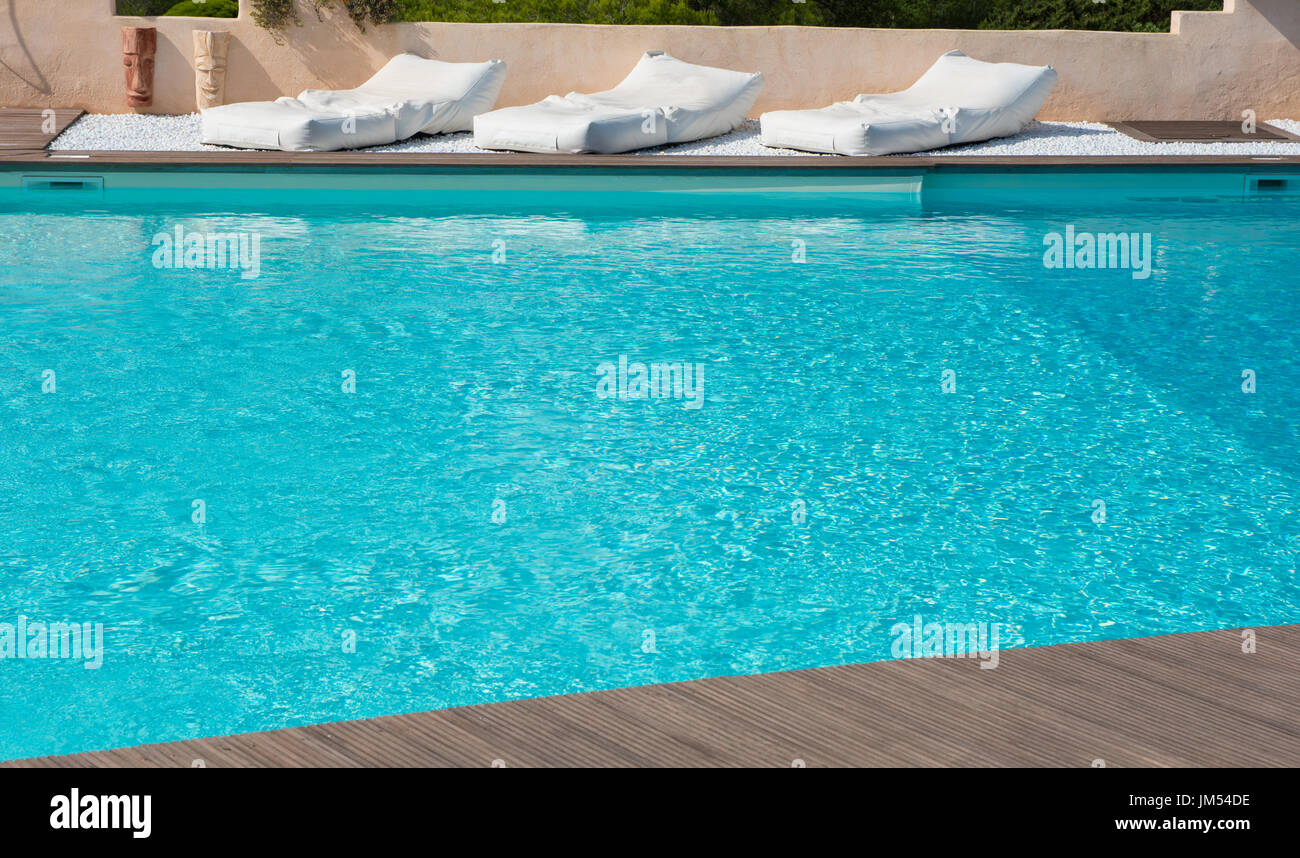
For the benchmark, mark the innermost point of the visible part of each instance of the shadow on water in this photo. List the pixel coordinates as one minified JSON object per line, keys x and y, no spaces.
{"x":1218,"y":302}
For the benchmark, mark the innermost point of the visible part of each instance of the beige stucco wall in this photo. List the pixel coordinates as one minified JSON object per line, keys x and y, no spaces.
{"x":67,"y":53}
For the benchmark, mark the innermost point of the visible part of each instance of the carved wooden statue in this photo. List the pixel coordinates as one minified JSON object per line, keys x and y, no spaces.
{"x":210,"y":52}
{"x":139,"y":44}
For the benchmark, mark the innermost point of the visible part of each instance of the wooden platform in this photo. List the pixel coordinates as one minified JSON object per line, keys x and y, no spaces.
{"x":386,"y":162}
{"x":261,"y":160}
{"x":1195,"y":131}
{"x":22,"y":129}
{"x":1181,"y":700}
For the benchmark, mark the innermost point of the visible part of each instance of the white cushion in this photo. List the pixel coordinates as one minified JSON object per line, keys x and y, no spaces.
{"x":409,"y":95}
{"x":663,"y":100}
{"x":959,"y":100}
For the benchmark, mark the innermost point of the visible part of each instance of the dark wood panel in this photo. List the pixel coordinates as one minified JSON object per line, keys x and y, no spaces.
{"x":1178,"y":700}
{"x":1200,"y":131}
{"x":24,"y":127}
{"x":253,"y":161}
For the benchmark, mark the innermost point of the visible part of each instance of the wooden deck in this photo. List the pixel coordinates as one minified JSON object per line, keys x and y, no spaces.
{"x":1200,"y":131}
{"x":1179,"y":700}
{"x":22,"y":129}
{"x":261,"y":160}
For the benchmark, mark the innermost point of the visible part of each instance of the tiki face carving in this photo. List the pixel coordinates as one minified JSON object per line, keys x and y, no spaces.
{"x":139,"y":44}
{"x":210,"y":52}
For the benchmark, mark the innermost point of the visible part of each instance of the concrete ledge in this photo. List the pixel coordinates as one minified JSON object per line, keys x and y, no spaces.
{"x":239,"y":160}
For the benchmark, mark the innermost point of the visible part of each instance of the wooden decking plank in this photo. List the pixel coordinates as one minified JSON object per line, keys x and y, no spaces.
{"x":936,"y":705}
{"x":676,"y":724}
{"x":444,"y":746}
{"x":23,"y":128}
{"x":997,"y":726}
{"x":386,"y":742}
{"x":601,"y":734}
{"x":454,"y":743}
{"x":1200,"y":131}
{"x":550,"y":743}
{"x":583,"y":738}
{"x":1260,"y":720}
{"x":1084,"y":706}
{"x":371,"y":744}
{"x":808,"y":706}
{"x":1136,"y":674}
{"x":665,"y":726}
{"x":233,"y":160}
{"x":322,"y":744}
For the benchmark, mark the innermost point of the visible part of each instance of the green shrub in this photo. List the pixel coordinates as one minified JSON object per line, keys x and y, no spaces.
{"x":558,"y":11}
{"x":206,"y":9}
{"x":371,"y":11}
{"x":145,"y":8}
{"x":279,"y":14}
{"x":1133,"y":15}
{"x":275,"y":14}
{"x":1140,"y":15}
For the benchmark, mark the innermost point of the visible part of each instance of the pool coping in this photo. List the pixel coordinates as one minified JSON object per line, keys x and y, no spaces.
{"x":1190,"y":699}
{"x":388,"y":160}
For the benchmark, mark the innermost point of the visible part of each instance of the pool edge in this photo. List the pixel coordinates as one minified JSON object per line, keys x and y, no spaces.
{"x":239,"y":158}
{"x":1189,"y":699}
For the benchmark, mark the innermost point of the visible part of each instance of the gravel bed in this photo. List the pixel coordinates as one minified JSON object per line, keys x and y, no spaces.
{"x":155,"y":133}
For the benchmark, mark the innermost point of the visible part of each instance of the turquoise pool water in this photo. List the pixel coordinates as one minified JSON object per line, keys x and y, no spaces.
{"x":486,"y":523}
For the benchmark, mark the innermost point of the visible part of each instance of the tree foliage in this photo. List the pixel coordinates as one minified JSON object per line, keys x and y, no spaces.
{"x":1142,"y":15}
{"x":146,"y":8}
{"x":279,"y":14}
{"x":205,"y":9}
{"x":1139,"y":15}
{"x":371,"y":11}
{"x":557,"y":11}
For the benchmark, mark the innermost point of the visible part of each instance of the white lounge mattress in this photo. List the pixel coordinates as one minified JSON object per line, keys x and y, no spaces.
{"x":663,"y":100}
{"x":409,"y":95}
{"x":959,"y":100}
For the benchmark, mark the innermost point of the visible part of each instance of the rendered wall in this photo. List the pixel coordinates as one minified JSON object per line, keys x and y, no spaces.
{"x":67,"y":53}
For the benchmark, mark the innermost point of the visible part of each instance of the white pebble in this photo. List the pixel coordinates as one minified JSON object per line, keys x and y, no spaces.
{"x":155,"y":133}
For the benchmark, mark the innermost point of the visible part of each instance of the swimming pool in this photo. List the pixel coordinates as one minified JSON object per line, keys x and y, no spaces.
{"x":400,"y":461}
